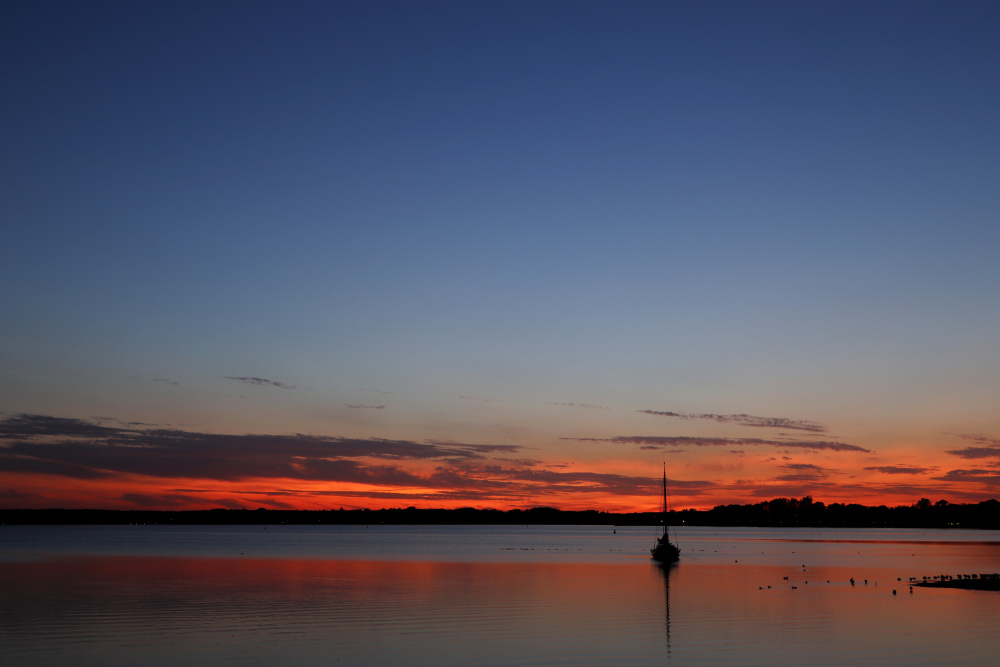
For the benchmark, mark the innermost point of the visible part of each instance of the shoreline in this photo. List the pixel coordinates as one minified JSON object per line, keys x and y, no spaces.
{"x":982,"y":516}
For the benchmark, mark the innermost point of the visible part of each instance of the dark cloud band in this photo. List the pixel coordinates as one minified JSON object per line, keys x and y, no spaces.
{"x":39,"y":444}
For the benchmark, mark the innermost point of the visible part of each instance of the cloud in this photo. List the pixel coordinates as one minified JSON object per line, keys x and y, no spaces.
{"x":358,"y":406}
{"x":805,"y":472}
{"x":83,"y":450}
{"x":987,"y":477}
{"x":976,"y":452}
{"x":259,"y":381}
{"x":102,"y":420}
{"x":524,"y":463}
{"x":745,"y":420}
{"x":574,"y":482}
{"x":804,"y":466}
{"x":482,"y":449}
{"x":989,"y":448}
{"x":899,"y":470}
{"x":32,"y":426}
{"x":982,"y":439}
{"x":659,"y":442}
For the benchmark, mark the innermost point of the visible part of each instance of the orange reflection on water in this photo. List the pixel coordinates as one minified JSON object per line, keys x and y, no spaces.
{"x":171,"y":610}
{"x":375,"y":612}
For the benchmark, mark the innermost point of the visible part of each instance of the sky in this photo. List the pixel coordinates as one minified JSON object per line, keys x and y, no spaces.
{"x":498,"y":254}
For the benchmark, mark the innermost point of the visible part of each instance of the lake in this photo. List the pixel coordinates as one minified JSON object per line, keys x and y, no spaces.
{"x":490,"y":595}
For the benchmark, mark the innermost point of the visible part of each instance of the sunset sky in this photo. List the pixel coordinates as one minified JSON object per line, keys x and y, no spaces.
{"x":498,"y":254}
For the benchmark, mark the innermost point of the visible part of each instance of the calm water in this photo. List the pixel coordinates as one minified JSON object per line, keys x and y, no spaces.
{"x":471,"y":595}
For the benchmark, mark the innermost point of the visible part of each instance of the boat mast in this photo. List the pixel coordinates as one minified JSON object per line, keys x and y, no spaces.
{"x":664,"y":499}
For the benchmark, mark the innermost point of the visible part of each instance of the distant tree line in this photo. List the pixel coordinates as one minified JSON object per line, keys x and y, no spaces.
{"x":805,"y":512}
{"x":780,"y":512}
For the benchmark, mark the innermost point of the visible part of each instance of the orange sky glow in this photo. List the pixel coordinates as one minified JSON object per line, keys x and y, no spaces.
{"x":65,"y":462}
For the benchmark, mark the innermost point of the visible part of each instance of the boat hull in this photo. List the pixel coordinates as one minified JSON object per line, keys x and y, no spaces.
{"x":665,"y":552}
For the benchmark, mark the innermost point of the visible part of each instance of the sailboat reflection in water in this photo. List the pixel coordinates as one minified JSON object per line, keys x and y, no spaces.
{"x":664,"y":551}
{"x":665,"y":572}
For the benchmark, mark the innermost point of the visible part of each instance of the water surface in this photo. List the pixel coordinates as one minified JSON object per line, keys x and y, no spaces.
{"x":499,"y":595}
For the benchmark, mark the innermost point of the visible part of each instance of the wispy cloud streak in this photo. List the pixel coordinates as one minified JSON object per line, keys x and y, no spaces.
{"x":802,"y":472}
{"x":745,"y":420}
{"x":988,"y":477}
{"x":259,"y":381}
{"x":987,"y":448}
{"x":899,"y":470}
{"x":659,"y":442}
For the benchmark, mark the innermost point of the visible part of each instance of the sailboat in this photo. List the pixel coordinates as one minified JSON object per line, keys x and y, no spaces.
{"x":664,"y":551}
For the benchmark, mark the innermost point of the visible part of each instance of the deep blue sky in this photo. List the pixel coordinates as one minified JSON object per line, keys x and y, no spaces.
{"x":475,"y":214}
